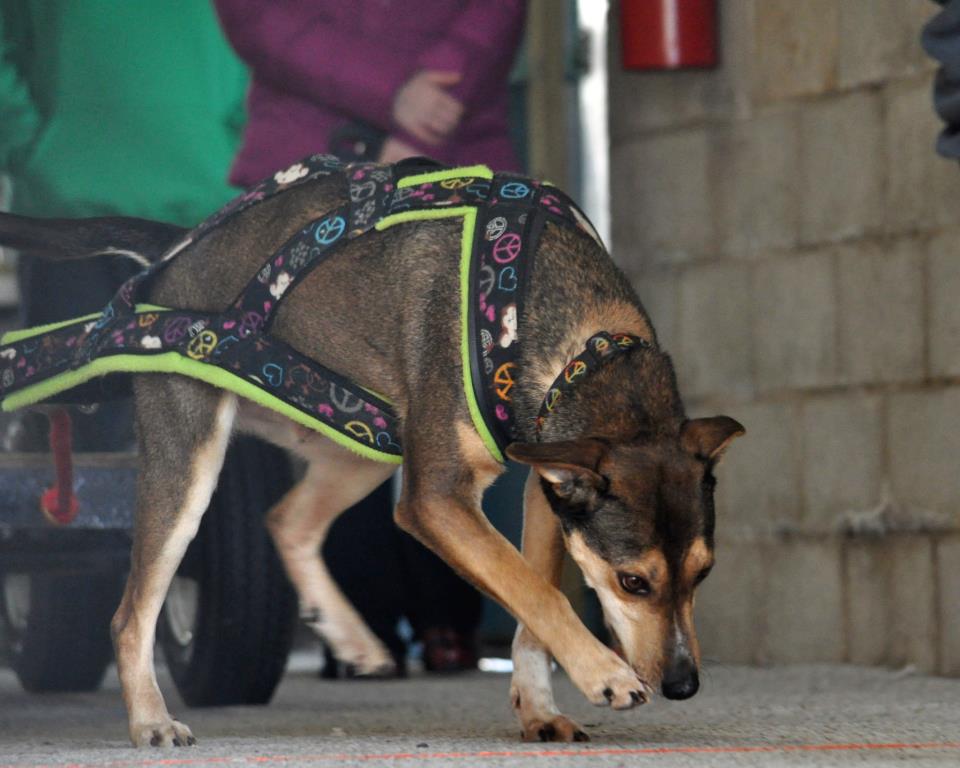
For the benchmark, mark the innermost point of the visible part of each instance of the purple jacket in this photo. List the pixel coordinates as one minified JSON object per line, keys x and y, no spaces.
{"x":318,"y":65}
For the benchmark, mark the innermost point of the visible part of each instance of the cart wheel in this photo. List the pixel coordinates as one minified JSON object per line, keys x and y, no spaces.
{"x":58,"y":628}
{"x":228,"y":621}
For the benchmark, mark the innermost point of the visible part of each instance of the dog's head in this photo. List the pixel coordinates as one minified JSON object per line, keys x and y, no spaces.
{"x":638,"y":519}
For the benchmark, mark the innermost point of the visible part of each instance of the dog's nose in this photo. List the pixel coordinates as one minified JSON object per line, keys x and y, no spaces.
{"x":681,"y":682}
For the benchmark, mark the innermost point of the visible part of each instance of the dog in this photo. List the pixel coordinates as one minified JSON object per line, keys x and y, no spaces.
{"x":619,"y":477}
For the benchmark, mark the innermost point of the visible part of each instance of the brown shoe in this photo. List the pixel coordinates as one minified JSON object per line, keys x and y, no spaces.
{"x":445,"y":650}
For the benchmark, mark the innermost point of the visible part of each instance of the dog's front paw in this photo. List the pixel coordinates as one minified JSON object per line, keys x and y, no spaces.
{"x":555,"y":728}
{"x":165,"y":734}
{"x":610,"y":682}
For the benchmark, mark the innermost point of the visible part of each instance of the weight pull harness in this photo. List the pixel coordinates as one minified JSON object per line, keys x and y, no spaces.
{"x":503,"y":216}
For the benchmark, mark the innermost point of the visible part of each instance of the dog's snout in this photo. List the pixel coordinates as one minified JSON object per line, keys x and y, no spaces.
{"x":681,"y":680}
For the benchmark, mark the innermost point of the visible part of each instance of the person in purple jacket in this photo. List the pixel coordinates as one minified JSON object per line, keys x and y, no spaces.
{"x":411,"y":77}
{"x":381,"y":80}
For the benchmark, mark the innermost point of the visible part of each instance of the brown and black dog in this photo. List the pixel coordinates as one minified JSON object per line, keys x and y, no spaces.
{"x":620,"y":476}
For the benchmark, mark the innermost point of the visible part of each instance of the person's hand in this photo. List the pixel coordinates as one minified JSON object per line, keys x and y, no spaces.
{"x":423,"y":107}
{"x":394,"y":150}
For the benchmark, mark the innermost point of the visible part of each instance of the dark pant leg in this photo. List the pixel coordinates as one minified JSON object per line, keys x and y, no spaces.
{"x":362,"y":554}
{"x":438,"y":597}
{"x":52,"y":291}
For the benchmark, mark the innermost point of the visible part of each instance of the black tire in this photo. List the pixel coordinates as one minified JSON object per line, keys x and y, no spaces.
{"x":57,"y":628}
{"x":236,"y":650}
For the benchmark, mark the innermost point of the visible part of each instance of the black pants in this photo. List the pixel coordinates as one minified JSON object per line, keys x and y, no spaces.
{"x":387,"y":574}
{"x":52,"y":291}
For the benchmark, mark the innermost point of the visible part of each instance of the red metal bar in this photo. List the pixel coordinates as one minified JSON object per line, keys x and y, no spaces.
{"x":59,"y":504}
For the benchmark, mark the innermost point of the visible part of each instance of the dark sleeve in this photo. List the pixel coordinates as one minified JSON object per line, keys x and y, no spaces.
{"x":483,"y":34}
{"x":19,"y":118}
{"x":941,"y":40}
{"x":309,"y":57}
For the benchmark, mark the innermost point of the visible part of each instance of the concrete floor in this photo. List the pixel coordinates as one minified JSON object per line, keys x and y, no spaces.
{"x":809,"y":715}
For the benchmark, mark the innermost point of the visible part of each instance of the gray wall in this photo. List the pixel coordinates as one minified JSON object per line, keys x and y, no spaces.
{"x":797,"y":242}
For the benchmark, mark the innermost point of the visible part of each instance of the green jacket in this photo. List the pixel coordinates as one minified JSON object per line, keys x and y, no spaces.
{"x":131,"y":107}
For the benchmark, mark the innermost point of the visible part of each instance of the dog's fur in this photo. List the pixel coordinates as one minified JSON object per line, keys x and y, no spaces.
{"x":621,"y":478}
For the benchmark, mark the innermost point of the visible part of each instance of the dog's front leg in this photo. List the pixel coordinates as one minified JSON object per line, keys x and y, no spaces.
{"x":531,"y":689}
{"x":454,"y":527}
{"x":183,"y":428}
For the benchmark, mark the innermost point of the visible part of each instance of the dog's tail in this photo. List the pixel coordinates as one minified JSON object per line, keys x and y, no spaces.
{"x":142,"y":240}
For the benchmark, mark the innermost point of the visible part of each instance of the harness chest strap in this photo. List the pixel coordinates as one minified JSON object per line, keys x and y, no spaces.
{"x":235,"y":350}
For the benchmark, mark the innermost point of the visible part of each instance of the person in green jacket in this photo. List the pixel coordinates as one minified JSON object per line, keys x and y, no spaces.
{"x":112,"y":108}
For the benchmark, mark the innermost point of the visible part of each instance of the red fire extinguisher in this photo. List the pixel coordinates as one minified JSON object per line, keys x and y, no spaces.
{"x":668,"y":34}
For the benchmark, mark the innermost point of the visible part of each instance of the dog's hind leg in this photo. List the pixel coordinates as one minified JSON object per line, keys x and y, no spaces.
{"x":183,"y":429}
{"x":335,"y":480}
{"x":531,"y":689}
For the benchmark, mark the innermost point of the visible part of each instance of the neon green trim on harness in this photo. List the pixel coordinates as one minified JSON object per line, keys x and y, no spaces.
{"x":433,"y":213}
{"x":174,"y":362}
{"x":475,"y":171}
{"x":466,"y":251}
{"x":469,"y":214}
{"x":11,"y":337}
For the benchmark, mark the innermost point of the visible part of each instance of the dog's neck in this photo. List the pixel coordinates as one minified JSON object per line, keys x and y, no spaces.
{"x":635,"y":393}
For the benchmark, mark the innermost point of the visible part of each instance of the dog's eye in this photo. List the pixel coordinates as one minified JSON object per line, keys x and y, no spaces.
{"x":635,"y":585}
{"x":701,"y":576}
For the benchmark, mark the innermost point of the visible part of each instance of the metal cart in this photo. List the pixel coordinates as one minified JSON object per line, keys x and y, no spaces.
{"x":227,"y":625}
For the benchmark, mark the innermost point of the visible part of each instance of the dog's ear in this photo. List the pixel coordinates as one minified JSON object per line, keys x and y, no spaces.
{"x":708,"y":438}
{"x":570,"y":466}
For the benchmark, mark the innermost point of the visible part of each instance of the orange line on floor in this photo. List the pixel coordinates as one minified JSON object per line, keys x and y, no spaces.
{"x":538,"y":753}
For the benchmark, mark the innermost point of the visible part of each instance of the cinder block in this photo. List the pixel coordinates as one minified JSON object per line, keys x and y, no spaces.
{"x":891,"y":607}
{"x":794,"y":306}
{"x":804,"y":605}
{"x":646,"y":101}
{"x":944,"y":330}
{"x":881,"y":312}
{"x":796,"y":47}
{"x":759,"y":478}
{"x":880,"y":40}
{"x":714,"y":354}
{"x":729,"y":613}
{"x":842,"y":440}
{"x":755,"y":175}
{"x":868,"y":602}
{"x":948,"y":557}
{"x":841,"y":171}
{"x":922,"y":187}
{"x":659,"y":291}
{"x":913,"y":588}
{"x":923,"y":430}
{"x":661,"y":207}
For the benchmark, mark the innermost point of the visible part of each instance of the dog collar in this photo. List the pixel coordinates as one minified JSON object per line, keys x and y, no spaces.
{"x":599,"y":350}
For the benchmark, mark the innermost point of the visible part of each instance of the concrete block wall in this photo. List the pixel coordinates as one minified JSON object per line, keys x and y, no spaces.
{"x":797,"y":242}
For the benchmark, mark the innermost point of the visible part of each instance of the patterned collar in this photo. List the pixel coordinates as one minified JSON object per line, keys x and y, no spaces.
{"x":600,"y":349}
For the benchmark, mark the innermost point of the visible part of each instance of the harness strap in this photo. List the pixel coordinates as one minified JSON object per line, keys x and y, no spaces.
{"x":503,"y":216}
{"x":505,"y":239}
